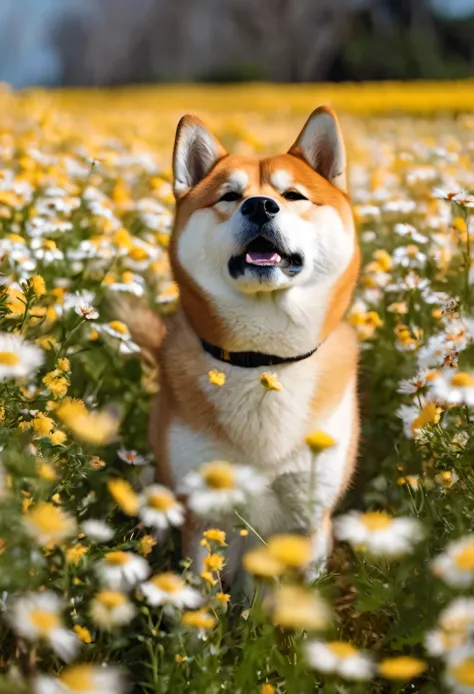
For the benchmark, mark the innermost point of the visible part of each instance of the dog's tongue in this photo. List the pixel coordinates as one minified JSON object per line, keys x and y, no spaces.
{"x":265,"y":258}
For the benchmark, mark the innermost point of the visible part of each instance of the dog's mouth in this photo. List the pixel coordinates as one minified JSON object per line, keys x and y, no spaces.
{"x":261,"y":256}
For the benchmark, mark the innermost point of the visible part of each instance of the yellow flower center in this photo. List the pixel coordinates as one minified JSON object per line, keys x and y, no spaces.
{"x":9,"y":359}
{"x":78,"y":678}
{"x":464,"y":560}
{"x":376,"y":520}
{"x":298,"y":608}
{"x":260,"y":562}
{"x":199,"y":619}
{"x":44,"y":621}
{"x":464,"y":672}
{"x":47,"y":518}
{"x":168,"y":582}
{"x":401,"y":668}
{"x":293,"y":550}
{"x":161,"y":501}
{"x":341,"y":649}
{"x":462,"y":380}
{"x":111,"y":598}
{"x":117,"y":558}
{"x":219,"y":475}
{"x":119,"y":327}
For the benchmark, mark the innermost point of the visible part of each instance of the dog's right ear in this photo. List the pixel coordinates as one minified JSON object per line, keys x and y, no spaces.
{"x":196,"y":151}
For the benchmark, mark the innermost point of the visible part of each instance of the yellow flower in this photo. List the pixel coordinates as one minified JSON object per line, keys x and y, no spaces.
{"x":223,"y":598}
{"x":293,"y":550}
{"x":56,"y":383}
{"x":261,"y":563}
{"x":318,"y":441}
{"x":98,"y":428}
{"x":2,"y":413}
{"x":38,"y":285}
{"x":213,"y":535}
{"x":124,"y":495}
{"x":83,"y":634}
{"x":180,"y":658}
{"x":42,"y":424}
{"x":400,"y":307}
{"x":430,"y":414}
{"x":75,"y":554}
{"x":146,"y":544}
{"x":270,"y":381}
{"x":267,"y":689}
{"x":209,"y":577}
{"x":296,"y":607}
{"x":48,"y":524}
{"x":217,"y":378}
{"x":64,"y":364}
{"x":47,"y":472}
{"x":214,"y":562}
{"x":57,"y":437}
{"x":199,"y":619}
{"x":401,"y":668}
{"x":244,"y":532}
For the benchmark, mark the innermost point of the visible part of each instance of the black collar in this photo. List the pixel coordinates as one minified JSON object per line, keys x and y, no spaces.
{"x":250,"y":360}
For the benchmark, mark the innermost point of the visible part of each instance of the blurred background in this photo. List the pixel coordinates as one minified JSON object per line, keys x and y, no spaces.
{"x":112,"y":42}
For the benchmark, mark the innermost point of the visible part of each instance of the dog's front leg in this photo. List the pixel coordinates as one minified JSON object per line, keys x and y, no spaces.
{"x":305,"y":513}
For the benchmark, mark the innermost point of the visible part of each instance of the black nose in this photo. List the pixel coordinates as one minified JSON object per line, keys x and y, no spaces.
{"x":259,"y":209}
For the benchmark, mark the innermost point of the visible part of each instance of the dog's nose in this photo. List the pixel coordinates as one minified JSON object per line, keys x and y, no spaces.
{"x":259,"y":209}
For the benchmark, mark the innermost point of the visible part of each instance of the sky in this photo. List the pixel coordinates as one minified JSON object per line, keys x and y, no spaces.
{"x":454,"y":8}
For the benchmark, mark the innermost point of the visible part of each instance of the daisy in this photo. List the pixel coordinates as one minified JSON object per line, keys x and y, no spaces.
{"x":410,"y":386}
{"x":455,"y":626}
{"x":456,"y":564}
{"x":86,"y":310}
{"x":339,"y":658}
{"x":36,"y":617}
{"x":220,"y":486}
{"x":459,"y":675}
{"x":117,"y":329}
{"x":97,"y":530}
{"x":111,"y":608}
{"x":378,"y":533}
{"x":122,"y":570}
{"x":410,"y":232}
{"x":18,"y":358}
{"x":409,"y":256}
{"x":131,"y":457}
{"x":416,"y":419}
{"x":169,"y":588}
{"x":47,"y":524}
{"x":73,"y":301}
{"x":410,"y":282}
{"x":82,"y":679}
{"x":159,"y":507}
{"x":453,"y":387}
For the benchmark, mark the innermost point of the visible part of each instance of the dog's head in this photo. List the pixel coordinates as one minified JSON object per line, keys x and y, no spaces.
{"x":264,"y":251}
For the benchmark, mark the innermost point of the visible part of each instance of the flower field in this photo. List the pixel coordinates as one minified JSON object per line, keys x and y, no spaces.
{"x":95,"y":596}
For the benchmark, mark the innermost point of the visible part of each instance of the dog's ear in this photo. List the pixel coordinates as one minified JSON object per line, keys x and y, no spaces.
{"x":321,"y":145}
{"x":196,"y":151}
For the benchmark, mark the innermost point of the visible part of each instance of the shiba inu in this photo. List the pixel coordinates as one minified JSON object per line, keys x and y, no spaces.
{"x":266,"y":258}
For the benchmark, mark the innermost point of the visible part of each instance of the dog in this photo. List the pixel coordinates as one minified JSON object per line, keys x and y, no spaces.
{"x":265,"y":255}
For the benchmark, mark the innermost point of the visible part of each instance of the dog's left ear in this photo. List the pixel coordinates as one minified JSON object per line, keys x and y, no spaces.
{"x":196,"y":151}
{"x":321,"y":145}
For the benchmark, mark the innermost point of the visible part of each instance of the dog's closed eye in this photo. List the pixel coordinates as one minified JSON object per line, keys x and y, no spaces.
{"x":230,"y":196}
{"x":293,"y":195}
